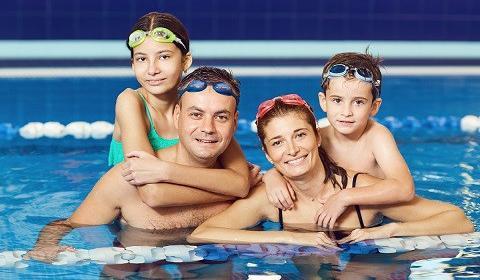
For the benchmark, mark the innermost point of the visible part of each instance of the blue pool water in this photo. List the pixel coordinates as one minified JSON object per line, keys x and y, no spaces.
{"x":46,"y":179}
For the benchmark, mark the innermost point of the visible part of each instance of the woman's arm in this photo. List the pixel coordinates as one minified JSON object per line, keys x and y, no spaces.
{"x":427,"y":217}
{"x":417,"y":217}
{"x":228,"y":226}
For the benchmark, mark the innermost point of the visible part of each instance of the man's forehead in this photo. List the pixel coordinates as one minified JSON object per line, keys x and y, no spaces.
{"x":208,"y":99}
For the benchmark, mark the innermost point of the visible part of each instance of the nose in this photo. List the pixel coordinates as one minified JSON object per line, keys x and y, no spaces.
{"x":153,"y":67}
{"x":347,"y":109}
{"x":292,"y":148}
{"x":208,"y":125}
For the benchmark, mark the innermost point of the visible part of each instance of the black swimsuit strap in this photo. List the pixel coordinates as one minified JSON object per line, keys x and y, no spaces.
{"x":357,"y":208}
{"x":280,"y":218}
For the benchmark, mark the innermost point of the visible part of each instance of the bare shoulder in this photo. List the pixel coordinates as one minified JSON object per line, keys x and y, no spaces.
{"x":378,"y":132}
{"x":362,"y":179}
{"x":128,"y":96}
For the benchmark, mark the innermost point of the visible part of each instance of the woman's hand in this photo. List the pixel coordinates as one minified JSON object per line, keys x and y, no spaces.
{"x":47,"y":253}
{"x":361,"y":234}
{"x":317,"y":239}
{"x":279,"y":191}
{"x":142,"y":168}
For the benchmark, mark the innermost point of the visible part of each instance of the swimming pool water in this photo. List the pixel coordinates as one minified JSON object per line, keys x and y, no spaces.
{"x":46,"y":179}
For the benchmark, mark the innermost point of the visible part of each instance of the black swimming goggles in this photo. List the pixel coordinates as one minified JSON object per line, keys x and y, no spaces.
{"x":219,"y":87}
{"x":340,"y":70}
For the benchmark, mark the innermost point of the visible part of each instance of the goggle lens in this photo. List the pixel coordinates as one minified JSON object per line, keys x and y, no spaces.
{"x":159,"y":34}
{"x":219,"y":87}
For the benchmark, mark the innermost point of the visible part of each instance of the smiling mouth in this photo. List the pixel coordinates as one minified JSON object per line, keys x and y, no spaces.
{"x":206,"y":141}
{"x":155,"y":82}
{"x":296,"y":161}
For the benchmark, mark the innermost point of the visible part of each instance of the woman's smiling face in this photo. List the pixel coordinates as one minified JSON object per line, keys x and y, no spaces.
{"x":291,"y":145}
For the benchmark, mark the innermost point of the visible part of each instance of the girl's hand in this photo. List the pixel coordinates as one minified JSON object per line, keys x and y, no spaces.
{"x":142,"y":168}
{"x":254,"y":176}
{"x":279,"y":191}
{"x":361,"y":234}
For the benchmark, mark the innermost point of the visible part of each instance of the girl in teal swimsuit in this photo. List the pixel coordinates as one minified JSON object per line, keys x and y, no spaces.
{"x":160,"y":51}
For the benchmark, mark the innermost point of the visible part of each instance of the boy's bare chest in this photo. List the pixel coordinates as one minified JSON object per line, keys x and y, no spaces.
{"x":353,"y":157}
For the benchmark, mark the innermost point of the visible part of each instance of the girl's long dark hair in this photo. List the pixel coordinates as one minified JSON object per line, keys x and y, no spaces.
{"x":280,"y":109}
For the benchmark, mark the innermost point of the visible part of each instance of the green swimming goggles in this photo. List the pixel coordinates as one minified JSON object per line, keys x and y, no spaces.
{"x":159,"y":34}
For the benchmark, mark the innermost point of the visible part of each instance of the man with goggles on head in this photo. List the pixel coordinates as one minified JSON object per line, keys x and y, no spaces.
{"x":351,"y":85}
{"x":206,"y":118}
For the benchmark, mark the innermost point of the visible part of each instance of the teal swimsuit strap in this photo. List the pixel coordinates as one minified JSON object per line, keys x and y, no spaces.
{"x":145,"y":103}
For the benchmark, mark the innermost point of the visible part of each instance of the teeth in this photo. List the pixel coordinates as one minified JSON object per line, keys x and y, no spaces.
{"x":295,"y":161}
{"x":206,"y":141}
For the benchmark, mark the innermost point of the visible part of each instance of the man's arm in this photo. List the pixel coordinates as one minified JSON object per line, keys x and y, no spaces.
{"x":101,"y":206}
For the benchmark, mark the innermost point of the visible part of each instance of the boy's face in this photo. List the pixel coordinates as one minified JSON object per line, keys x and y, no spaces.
{"x":348,"y":104}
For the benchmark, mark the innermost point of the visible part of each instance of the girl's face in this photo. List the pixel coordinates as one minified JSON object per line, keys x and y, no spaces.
{"x":158,"y":66}
{"x":292,"y":145}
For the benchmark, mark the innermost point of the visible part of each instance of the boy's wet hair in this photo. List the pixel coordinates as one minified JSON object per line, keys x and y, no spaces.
{"x":213,"y":75}
{"x":281,"y":109}
{"x":153,"y":20}
{"x":357,"y":60}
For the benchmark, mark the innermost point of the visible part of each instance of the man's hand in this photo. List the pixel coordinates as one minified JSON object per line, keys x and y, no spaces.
{"x":47,"y":253}
{"x":332,"y":208}
{"x":360,"y":234}
{"x":142,"y":168}
{"x":254,"y":175}
{"x":279,"y":191}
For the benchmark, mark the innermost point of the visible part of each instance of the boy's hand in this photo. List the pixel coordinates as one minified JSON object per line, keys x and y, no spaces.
{"x":142,"y":168}
{"x":332,"y":208}
{"x":279,"y":191}
{"x":254,"y":175}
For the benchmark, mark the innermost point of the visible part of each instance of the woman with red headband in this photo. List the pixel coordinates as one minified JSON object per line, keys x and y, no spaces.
{"x":287,"y":131}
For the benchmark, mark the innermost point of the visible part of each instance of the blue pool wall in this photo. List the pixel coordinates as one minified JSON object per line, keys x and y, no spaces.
{"x":443,"y":20}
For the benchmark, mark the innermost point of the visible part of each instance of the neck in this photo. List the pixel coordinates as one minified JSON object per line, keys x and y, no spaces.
{"x":182,"y":156}
{"x":164,"y":103}
{"x":311,"y":184}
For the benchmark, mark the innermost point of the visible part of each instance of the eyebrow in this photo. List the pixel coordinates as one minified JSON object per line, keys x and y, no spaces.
{"x":159,"y":52}
{"x":295,"y":131}
{"x":195,"y":108}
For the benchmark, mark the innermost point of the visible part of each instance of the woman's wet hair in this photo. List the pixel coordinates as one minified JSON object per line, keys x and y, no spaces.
{"x":280,"y":109}
{"x":153,"y":20}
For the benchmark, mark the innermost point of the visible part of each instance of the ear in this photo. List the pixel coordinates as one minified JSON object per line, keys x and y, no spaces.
{"x":375,"y":106}
{"x":267,"y":156}
{"x":176,"y":115}
{"x":235,"y":121}
{"x":322,"y":99}
{"x":187,"y":61}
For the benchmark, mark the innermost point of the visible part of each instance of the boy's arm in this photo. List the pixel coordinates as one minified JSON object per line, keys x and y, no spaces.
{"x":279,"y":191}
{"x":397,"y":185}
{"x":232,"y":180}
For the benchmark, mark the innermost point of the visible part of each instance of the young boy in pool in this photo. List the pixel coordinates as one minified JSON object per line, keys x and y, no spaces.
{"x":351,"y":85}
